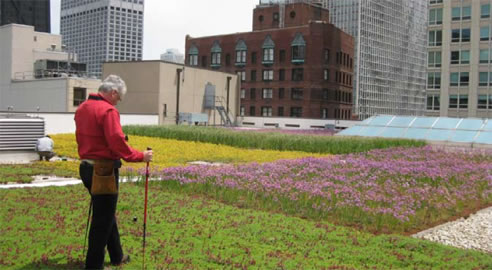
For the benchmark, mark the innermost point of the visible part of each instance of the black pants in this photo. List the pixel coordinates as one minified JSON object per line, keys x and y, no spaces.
{"x":104,"y":230}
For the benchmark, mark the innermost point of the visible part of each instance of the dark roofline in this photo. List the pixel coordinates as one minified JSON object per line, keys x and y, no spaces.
{"x":167,"y":62}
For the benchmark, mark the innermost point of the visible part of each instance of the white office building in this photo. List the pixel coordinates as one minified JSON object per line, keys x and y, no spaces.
{"x":459,"y":71}
{"x":103,"y":30}
{"x":390,"y":38}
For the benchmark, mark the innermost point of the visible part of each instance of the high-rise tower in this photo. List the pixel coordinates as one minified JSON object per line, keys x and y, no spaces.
{"x":390,"y":56}
{"x":28,"y":12}
{"x":459,"y":69}
{"x":103,"y":30}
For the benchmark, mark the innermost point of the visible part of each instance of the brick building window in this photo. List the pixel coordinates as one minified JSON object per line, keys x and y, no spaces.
{"x":193,"y":56}
{"x":326,"y":94}
{"x":253,"y":57}
{"x":297,"y":74}
{"x":241,"y":52}
{"x":228,"y":60}
{"x":281,"y":93}
{"x":253,"y":75}
{"x":241,"y":111}
{"x":296,"y":112}
{"x":280,"y":111}
{"x":266,"y":111}
{"x":242,"y":75}
{"x":252,"y":111}
{"x":252,"y":94}
{"x":268,"y":75}
{"x":268,"y":55}
{"x":216,"y":59}
{"x":243,"y":93}
{"x":298,"y":49}
{"x":326,"y":75}
{"x":281,"y":74}
{"x":296,"y":93}
{"x":267,"y":93}
{"x":216,"y":52}
{"x":204,"y":60}
{"x":324,"y":113}
{"x":281,"y":56}
{"x":327,"y":56}
{"x":268,"y":50}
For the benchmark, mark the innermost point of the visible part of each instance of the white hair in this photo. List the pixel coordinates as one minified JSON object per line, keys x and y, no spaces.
{"x":113,"y":82}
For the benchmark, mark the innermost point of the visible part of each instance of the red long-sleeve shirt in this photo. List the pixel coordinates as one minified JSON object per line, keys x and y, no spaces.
{"x":99,"y":134}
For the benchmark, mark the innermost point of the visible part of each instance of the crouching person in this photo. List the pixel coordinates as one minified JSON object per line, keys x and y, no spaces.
{"x":101,"y":145}
{"x":44,"y":147}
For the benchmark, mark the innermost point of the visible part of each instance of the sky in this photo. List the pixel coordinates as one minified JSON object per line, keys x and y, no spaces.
{"x":167,"y":22}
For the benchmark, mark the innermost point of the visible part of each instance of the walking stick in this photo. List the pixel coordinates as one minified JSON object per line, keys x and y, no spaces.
{"x":145,"y":208}
{"x":87,"y":226}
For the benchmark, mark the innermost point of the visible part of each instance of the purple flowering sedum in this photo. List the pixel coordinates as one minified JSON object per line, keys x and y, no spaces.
{"x":399,"y":182}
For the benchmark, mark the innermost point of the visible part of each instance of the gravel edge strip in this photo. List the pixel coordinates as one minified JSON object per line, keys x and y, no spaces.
{"x":474,"y":232}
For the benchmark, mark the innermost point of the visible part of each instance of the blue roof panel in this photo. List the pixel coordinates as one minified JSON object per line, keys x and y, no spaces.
{"x":438,"y":134}
{"x":381,"y":120}
{"x":470,"y":124}
{"x":424,"y":122}
{"x":416,"y":133}
{"x":392,"y":132}
{"x":464,"y":136}
{"x":447,"y":123}
{"x":484,"y":137}
{"x":353,"y":131}
{"x":371,"y":131}
{"x":401,"y":121}
{"x":425,"y":128}
{"x":488,"y":126}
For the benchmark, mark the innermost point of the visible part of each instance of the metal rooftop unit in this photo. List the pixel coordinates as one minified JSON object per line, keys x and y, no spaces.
{"x":20,"y":132}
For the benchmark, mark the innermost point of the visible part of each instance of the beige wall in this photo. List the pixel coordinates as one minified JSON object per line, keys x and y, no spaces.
{"x":142,"y":81}
{"x":153,"y":84}
{"x":91,"y":86}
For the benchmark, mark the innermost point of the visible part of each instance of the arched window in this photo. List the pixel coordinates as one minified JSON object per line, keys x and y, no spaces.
{"x":268,"y":50}
{"x":298,"y":49}
{"x":193,"y":56}
{"x":216,"y":52}
{"x":241,"y":50}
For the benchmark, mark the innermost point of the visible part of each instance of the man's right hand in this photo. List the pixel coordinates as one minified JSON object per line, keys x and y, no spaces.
{"x":148,"y":155}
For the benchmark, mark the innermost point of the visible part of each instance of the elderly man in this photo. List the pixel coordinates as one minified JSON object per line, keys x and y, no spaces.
{"x":101,"y":145}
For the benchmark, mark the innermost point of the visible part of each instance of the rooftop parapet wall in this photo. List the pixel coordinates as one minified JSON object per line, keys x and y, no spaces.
{"x":289,"y":15}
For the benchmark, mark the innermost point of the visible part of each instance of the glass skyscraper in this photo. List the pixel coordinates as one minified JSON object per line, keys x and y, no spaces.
{"x":102,"y":30}
{"x":28,"y":12}
{"x":390,"y":57}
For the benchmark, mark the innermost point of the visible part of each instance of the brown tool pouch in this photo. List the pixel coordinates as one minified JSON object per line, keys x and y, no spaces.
{"x":103,"y":179}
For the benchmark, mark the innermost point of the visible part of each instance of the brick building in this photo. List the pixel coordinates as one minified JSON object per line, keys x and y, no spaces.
{"x":293,"y":64}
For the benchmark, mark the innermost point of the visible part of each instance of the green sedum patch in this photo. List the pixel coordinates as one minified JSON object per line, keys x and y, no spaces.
{"x":23,"y":173}
{"x":44,"y":229}
{"x":270,"y":140}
